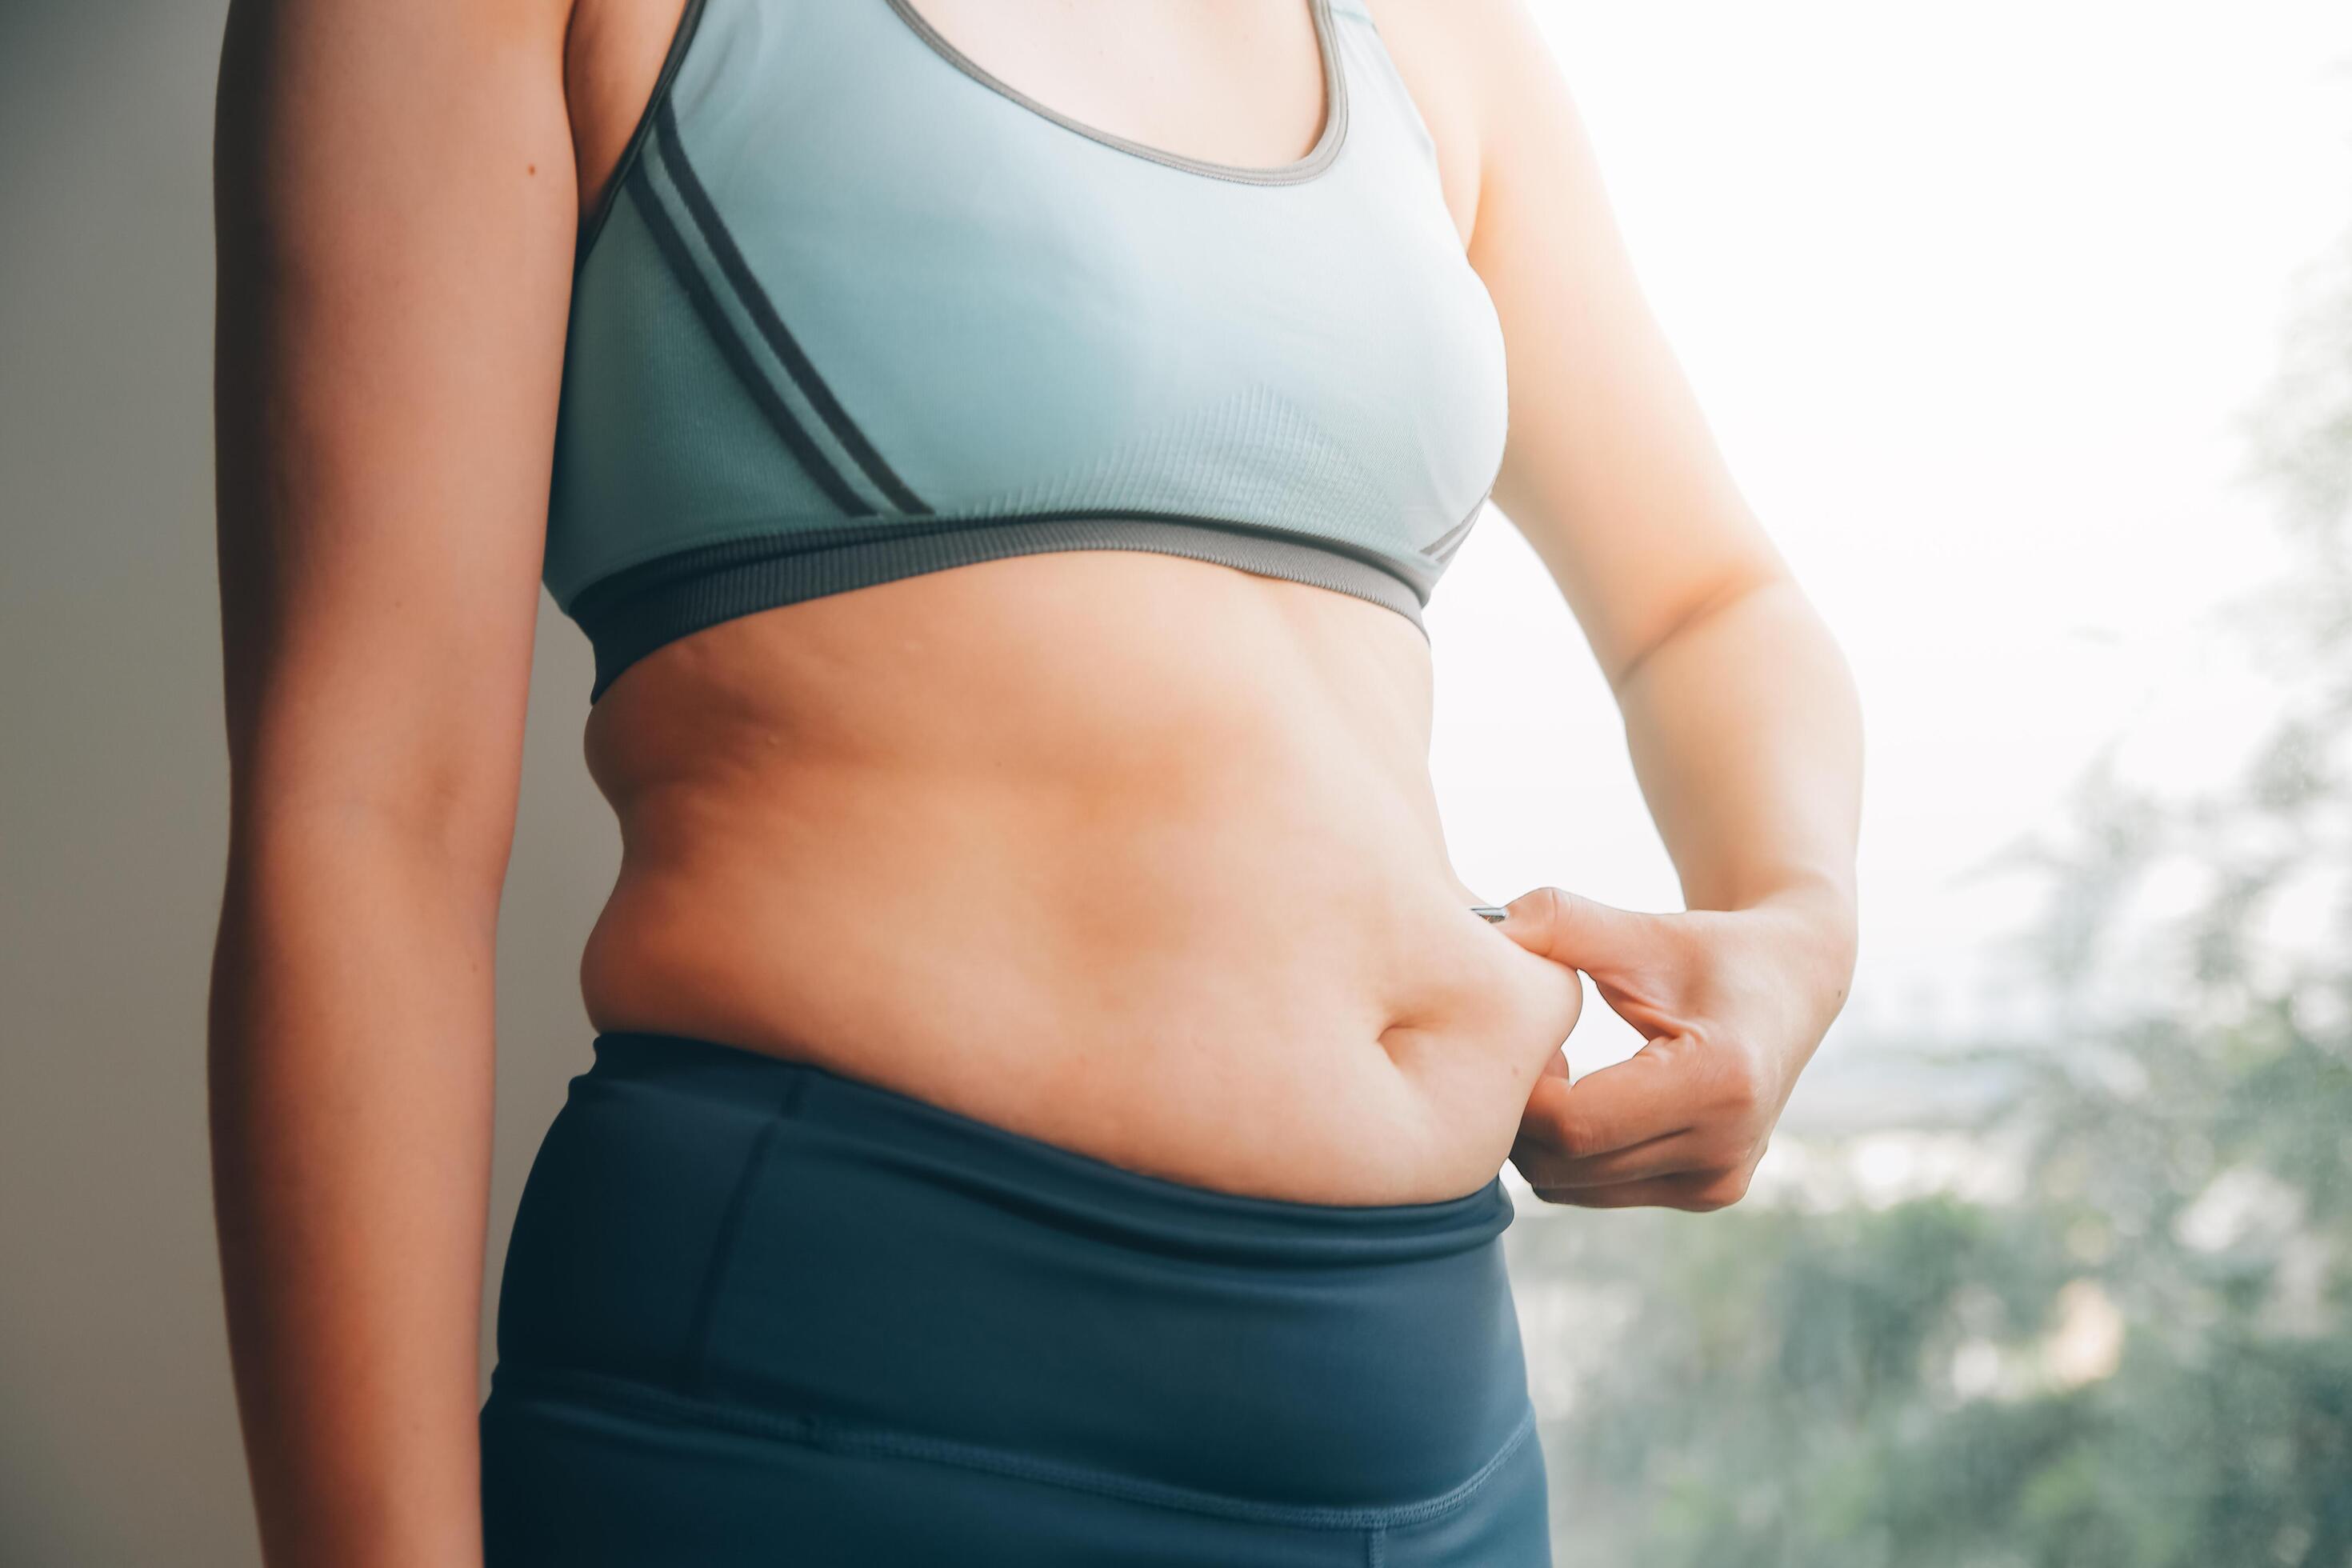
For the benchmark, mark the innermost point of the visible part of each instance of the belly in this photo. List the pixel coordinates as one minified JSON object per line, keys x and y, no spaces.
{"x":1133,"y":854}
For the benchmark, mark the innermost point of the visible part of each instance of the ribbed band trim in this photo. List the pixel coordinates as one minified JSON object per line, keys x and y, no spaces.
{"x":634,"y":612}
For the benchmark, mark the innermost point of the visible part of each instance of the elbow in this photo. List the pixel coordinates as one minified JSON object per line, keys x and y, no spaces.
{"x":446,"y":842}
{"x":1708,"y":599}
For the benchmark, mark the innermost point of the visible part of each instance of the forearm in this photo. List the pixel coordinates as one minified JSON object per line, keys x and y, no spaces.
{"x":1745,"y":731}
{"x":350,"y":1094}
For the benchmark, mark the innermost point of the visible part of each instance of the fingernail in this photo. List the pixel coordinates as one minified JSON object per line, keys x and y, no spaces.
{"x":1492,"y":912}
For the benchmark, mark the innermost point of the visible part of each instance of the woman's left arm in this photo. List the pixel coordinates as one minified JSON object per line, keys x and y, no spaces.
{"x":1740,"y":714}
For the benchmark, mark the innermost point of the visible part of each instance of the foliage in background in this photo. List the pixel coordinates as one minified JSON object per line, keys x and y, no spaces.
{"x":2141,"y":1356}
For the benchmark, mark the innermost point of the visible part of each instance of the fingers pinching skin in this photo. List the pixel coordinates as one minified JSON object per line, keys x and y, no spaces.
{"x":1671,"y":1125}
{"x":1670,"y":1154}
{"x":1638,"y":961}
{"x":1682,"y":1121}
{"x":1571,"y":929}
{"x":1696,"y":1192}
{"x":1725,"y":1007}
{"x":1616,"y":1107}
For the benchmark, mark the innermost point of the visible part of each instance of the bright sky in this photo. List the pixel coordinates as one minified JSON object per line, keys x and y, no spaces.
{"x":1975,"y":297}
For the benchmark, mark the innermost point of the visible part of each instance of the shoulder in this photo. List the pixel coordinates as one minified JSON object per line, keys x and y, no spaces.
{"x":1482,"y":75}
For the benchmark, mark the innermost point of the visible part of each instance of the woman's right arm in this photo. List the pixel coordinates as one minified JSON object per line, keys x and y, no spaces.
{"x":396,"y":206}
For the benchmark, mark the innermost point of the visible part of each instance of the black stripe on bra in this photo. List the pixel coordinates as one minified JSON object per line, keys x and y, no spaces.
{"x":762,"y":311}
{"x":805,"y":451}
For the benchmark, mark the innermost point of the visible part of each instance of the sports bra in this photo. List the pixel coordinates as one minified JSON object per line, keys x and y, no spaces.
{"x":852,"y":308}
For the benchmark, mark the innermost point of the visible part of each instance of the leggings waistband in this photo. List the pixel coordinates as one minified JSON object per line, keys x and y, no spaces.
{"x":796,"y":1251}
{"x":1050,"y":1184}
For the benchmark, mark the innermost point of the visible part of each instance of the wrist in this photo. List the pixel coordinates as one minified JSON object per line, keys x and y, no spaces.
{"x":1820,"y":916}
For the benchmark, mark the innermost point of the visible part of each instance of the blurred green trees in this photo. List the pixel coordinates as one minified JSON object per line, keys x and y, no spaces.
{"x":2130,"y":1344}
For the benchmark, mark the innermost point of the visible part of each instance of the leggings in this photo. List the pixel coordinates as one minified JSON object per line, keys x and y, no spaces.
{"x":754,"y":1311}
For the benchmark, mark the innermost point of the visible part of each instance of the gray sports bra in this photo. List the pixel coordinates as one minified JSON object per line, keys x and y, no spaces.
{"x":853,"y":309}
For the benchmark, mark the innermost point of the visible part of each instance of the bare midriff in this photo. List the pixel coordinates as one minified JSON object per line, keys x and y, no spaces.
{"x":1130,"y":853}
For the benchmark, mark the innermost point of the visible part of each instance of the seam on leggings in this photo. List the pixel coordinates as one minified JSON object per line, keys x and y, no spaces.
{"x":660,"y":1404}
{"x":693,"y":1364}
{"x":1376,"y":1546}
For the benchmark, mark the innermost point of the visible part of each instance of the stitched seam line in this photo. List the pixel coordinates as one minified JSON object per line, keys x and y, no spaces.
{"x":762,"y":312}
{"x":1441,"y":549}
{"x":680,"y":41}
{"x":1325,"y":152}
{"x":738,"y":354}
{"x":846,"y":1438}
{"x":694,"y":1359}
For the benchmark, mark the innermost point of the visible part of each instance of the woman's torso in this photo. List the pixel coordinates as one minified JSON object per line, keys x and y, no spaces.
{"x":1134,"y":853}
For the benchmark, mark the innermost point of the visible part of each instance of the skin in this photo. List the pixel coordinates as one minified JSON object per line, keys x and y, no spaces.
{"x":900,"y":831}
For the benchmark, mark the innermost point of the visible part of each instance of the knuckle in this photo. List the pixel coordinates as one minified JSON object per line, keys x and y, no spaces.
{"x":1742,"y":1095}
{"x":1743,"y":1085}
{"x":1724,"y":1191}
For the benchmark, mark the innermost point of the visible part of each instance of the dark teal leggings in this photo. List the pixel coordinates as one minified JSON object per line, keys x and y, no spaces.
{"x":756,"y":1312}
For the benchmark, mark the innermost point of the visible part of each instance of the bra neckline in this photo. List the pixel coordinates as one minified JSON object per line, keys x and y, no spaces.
{"x":1315,"y":161}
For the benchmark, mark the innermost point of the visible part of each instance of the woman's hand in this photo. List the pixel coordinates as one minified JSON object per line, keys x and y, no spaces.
{"x":1732,"y":1003}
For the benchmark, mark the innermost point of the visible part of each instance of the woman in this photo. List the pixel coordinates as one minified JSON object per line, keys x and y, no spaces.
{"x":1050,"y":1086}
